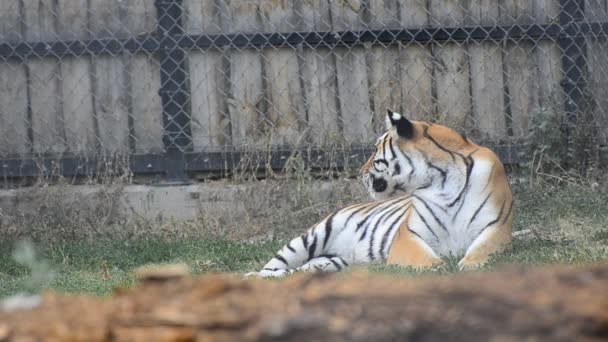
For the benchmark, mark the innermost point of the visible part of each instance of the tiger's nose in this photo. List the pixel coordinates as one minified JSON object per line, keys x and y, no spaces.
{"x":379,"y":185}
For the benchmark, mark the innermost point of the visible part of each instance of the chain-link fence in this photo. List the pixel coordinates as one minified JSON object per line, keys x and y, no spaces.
{"x":181,"y":86}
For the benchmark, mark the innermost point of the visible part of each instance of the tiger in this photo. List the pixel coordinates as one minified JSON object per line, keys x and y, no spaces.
{"x":435,"y":194}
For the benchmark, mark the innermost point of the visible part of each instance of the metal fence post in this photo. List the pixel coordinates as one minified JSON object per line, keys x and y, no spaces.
{"x":177,"y":135}
{"x":573,"y":47}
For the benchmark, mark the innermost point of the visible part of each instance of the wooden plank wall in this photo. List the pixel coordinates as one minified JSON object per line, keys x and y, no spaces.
{"x":519,"y":69}
{"x":106,"y":103}
{"x":451,"y":68}
{"x":13,"y":87}
{"x":143,"y":81}
{"x":208,"y":78}
{"x":44,"y":83}
{"x":318,"y":75}
{"x":249,"y":98}
{"x":597,"y":57}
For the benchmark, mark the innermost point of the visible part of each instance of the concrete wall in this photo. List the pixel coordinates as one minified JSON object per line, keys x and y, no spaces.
{"x":212,"y":203}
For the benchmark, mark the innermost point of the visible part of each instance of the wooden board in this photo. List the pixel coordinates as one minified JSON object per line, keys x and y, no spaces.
{"x":416,"y":65}
{"x":519,"y":67}
{"x":44,"y":80}
{"x":383,"y":63}
{"x":246,"y":103}
{"x":109,"y":77}
{"x":597,"y":52}
{"x":486,"y":68}
{"x":143,"y":82}
{"x":450,"y":68}
{"x":208,"y":78}
{"x":318,"y":75}
{"x":13,"y":87}
{"x":352,"y":75}
{"x":76,"y":90}
{"x":548,"y":59}
{"x":286,"y":114}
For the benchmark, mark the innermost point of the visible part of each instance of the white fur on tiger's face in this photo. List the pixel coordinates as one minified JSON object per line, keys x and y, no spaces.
{"x":438,"y":194}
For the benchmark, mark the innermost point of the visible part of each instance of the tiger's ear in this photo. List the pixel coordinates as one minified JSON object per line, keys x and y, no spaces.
{"x":403,"y":126}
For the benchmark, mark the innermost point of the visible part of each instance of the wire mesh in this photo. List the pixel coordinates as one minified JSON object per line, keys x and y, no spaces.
{"x":105,"y":77}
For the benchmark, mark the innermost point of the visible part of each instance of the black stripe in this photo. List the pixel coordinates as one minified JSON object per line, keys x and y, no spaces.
{"x":290,"y":248}
{"x":328,"y":256}
{"x":432,"y":213}
{"x":424,"y":186}
{"x":479,"y":209}
{"x":409,"y":161}
{"x":343,"y":262}
{"x":445,"y":209}
{"x":397,"y":169}
{"x":269,"y":269}
{"x":373,"y":214}
{"x":328,"y":229}
{"x":390,"y":144}
{"x":428,"y":136}
{"x":489,"y":177}
{"x":426,"y":223}
{"x":441,"y":171}
{"x":508,"y":213}
{"x":385,"y":237}
{"x":281,"y":259}
{"x":413,"y":232}
{"x":305,"y":240}
{"x":459,"y":208}
{"x":502,"y":208}
{"x":353,"y":214}
{"x":384,"y":148}
{"x":469,"y":163}
{"x":338,"y":266}
{"x":464,"y":137}
{"x":311,"y":250}
{"x":378,"y":208}
{"x":382,"y":219}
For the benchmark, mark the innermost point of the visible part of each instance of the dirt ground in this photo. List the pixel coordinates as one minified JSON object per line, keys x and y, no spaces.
{"x":551,"y":304}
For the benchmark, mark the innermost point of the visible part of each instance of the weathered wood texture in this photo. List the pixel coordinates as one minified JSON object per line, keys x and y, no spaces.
{"x":318,"y":75}
{"x":143,"y":82}
{"x":13,"y":87}
{"x":416,"y":65}
{"x":451,"y":70}
{"x":208,"y":77}
{"x":548,"y":59}
{"x":352,"y":74}
{"x":247,"y":105}
{"x":285,"y":116}
{"x":383,"y":62}
{"x":106,"y":103}
{"x":76,"y":91}
{"x":519,"y":68}
{"x":487,"y":84}
{"x":109,"y":77}
{"x":597,"y":57}
{"x":278,"y":96}
{"x":44,"y":81}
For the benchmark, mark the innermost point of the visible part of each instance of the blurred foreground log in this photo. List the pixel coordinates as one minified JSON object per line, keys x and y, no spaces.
{"x":551,"y":304}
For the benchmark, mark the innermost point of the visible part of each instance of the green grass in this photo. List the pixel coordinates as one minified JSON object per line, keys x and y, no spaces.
{"x":569,"y":225}
{"x":97,"y":268}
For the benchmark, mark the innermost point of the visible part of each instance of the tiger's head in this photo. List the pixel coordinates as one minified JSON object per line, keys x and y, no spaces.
{"x":414,"y":155}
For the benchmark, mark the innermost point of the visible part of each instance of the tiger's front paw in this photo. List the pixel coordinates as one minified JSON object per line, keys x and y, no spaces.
{"x":471,"y":263}
{"x":316,"y":267}
{"x":269,"y":274}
